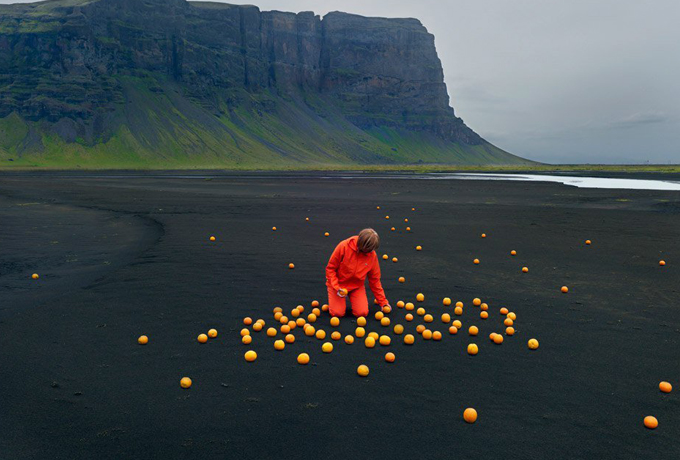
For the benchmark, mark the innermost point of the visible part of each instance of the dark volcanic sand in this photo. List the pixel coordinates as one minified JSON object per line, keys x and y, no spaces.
{"x":121,"y":257}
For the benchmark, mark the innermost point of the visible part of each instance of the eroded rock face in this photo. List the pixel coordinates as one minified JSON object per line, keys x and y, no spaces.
{"x":63,"y":62}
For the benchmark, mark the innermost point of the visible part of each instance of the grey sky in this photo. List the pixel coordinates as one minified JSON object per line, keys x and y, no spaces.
{"x":566,"y":81}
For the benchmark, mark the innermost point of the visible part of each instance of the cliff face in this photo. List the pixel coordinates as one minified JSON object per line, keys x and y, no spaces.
{"x":87,"y":72}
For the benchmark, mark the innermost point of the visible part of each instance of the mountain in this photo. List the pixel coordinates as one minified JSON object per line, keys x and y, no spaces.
{"x":176,"y":84}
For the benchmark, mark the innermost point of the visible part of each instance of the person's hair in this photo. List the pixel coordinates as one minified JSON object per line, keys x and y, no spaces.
{"x":368,"y":240}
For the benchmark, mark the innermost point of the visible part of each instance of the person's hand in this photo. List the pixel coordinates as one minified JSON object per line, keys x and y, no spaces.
{"x":342,"y":292}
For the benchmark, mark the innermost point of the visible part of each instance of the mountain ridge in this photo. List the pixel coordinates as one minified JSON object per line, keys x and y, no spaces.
{"x":170,"y":83}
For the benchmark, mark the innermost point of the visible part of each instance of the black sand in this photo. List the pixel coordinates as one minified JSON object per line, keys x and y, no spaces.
{"x":121,"y":257}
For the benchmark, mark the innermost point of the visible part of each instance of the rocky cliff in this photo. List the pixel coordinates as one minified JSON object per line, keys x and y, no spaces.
{"x":170,"y":83}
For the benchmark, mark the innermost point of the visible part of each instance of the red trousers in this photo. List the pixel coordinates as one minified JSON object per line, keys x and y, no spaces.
{"x":337,"y":305}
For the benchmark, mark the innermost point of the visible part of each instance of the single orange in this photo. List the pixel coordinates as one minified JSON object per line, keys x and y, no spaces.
{"x":301,"y":309}
{"x":271,"y":332}
{"x":446,"y":318}
{"x":295,"y":313}
{"x":472,"y":349}
{"x":362,"y":370}
{"x":320,"y":334}
{"x":473,"y":330}
{"x":35,"y":276}
{"x":409,"y":317}
{"x":446,"y":301}
{"x":247,"y":321}
{"x":385,"y":321}
{"x":212,"y":238}
{"x":420,"y":328}
{"x":386,"y":309}
{"x":512,"y":316}
{"x":285,"y":329}
{"x":405,"y":220}
{"x":588,"y":242}
{"x":420,"y":297}
{"x":525,"y":269}
{"x":409,"y":339}
{"x":303,"y":358}
{"x":369,"y":342}
{"x":402,"y":279}
{"x":484,"y":306}
{"x":250,"y":356}
{"x":212,"y":333}
{"x":498,"y":339}
{"x":470,"y":415}
{"x":327,"y":347}
{"x":408,"y":229}
{"x":427,"y":334}
{"x":335,"y":321}
{"x":420,"y":311}
{"x":283,"y":319}
{"x":458,"y":311}
{"x":419,"y":248}
{"x":483,"y":235}
{"x":436,"y":335}
{"x":508,"y":322}
{"x":349,"y":339}
{"x":379,"y":315}
{"x":385,"y":340}
{"x":257,"y":327}
{"x":374,"y":335}
{"x":290,"y":338}
{"x":651,"y":422}
{"x":385,"y":257}
{"x":400,"y":304}
{"x":387,"y":217}
{"x":307,"y":219}
{"x":476,"y":261}
{"x":532,"y":344}
{"x":279,"y":345}
{"x":409,"y":306}
{"x":564,"y":289}
{"x":325,"y":307}
{"x":510,"y":330}
{"x":245,"y":331}
{"x":459,"y":304}
{"x":395,"y":260}
{"x":662,"y":262}
{"x":665,"y":387}
{"x":457,"y":323}
{"x":143,"y":340}
{"x":246,"y":340}
{"x":476,"y":302}
{"x":336,"y":335}
{"x":504,"y":311}
{"x":389,"y":357}
{"x":492,"y":335}
{"x":300,"y":322}
{"x":291,"y":266}
{"x":453,"y":330}
{"x":392,"y":229}
{"x":278,"y":315}
{"x":277,"y":310}
{"x":315,"y":303}
{"x":360,"y":332}
{"x":398,"y":329}
{"x":361,"y":321}
{"x":185,"y":382}
{"x":483,"y":314}
{"x":428,"y":318}
{"x":513,"y":253}
{"x":273,"y":229}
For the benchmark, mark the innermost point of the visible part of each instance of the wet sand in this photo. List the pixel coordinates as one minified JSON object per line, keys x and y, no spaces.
{"x":121,"y":257}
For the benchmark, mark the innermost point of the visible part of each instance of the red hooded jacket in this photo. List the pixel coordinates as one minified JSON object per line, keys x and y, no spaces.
{"x":348,"y":268}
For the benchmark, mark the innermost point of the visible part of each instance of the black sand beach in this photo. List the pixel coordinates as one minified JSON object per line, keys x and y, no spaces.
{"x":122,"y":257}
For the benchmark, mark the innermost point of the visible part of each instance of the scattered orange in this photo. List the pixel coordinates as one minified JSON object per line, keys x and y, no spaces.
{"x":291,"y":266}
{"x":473,"y":330}
{"x":504,"y":311}
{"x":588,"y":242}
{"x":651,"y":422}
{"x":533,"y":344}
{"x":420,"y":297}
{"x":402,"y":279}
{"x":360,"y":332}
{"x":409,"y":306}
{"x":245,"y":331}
{"x":327,"y":347}
{"x":513,"y":253}
{"x":472,"y":349}
{"x":497,"y":339}
{"x":427,"y":334}
{"x":290,"y":338}
{"x":361,"y":321}
{"x":662,"y":262}
{"x":385,"y":340}
{"x":250,"y":356}
{"x":470,"y":415}
{"x":398,"y":329}
{"x":271,"y":332}
{"x":483,"y":314}
{"x":476,"y":302}
{"x":143,"y":340}
{"x":476,"y":261}
{"x":420,"y":328}
{"x":446,"y":318}
{"x":419,"y":248}
{"x":320,"y":334}
{"x":564,"y":289}
{"x":257,"y":327}
{"x":349,"y":339}
{"x":525,"y":269}
{"x":369,"y":342}
{"x":246,"y":340}
{"x":247,"y":321}
{"x":303,"y":358}
{"x":395,"y":260}
{"x":453,"y":330}
{"x":385,"y":321}
{"x":35,"y":276}
{"x":409,"y":339}
{"x":665,"y":387}
{"x":335,"y":321}
{"x":389,"y":357}
{"x":458,"y":311}
{"x":362,"y":370}
{"x":446,"y":301}
{"x":336,"y":335}
{"x":186,"y":382}
{"x":409,"y":317}
{"x":436,"y":335}
{"x":510,"y":330}
{"x":457,"y":323}
{"x":279,"y":345}
{"x":400,"y":304}
{"x":212,"y":333}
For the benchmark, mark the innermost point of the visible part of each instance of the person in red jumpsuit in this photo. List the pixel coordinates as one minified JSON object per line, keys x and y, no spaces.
{"x":354,"y":260}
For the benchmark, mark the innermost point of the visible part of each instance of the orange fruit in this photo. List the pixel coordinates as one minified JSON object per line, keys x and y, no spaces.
{"x":459,"y":304}
{"x":510,"y":330}
{"x":290,"y":338}
{"x":513,"y":253}
{"x":436,"y":335}
{"x":295,"y":313}
{"x":398,"y":329}
{"x":446,"y":318}
{"x":651,"y":422}
{"x":400,"y":304}
{"x":457,"y":323}
{"x":662,"y":262}
{"x":35,"y":276}
{"x":446,"y":301}
{"x":564,"y":289}
{"x":402,"y":280}
{"x":504,"y":311}
{"x":349,"y":339}
{"x":470,"y":415}
{"x":315,"y":303}
{"x":525,"y":269}
{"x":420,"y":311}
{"x":360,"y":332}
{"x":301,"y":309}
{"x":408,"y":229}
{"x":473,"y":330}
{"x":316,"y":312}
{"x":379,"y":315}
{"x":278,"y":315}
{"x":369,"y":342}
{"x":377,"y":207}
{"x":246,"y":339}
{"x":409,"y":306}
{"x":508,"y":322}
{"x":532,"y":344}
{"x":588,"y":242}
{"x":212,"y":333}
{"x":476,"y":261}
{"x":389,"y":357}
{"x":386,"y":309}
{"x":393,"y":229}
{"x":300,"y":322}
{"x":303,"y":358}
{"x":285,"y":329}
{"x":483,"y":314}
{"x":385,"y":340}
{"x":245,"y":331}
{"x":374,"y":335}
{"x":247,"y":321}
{"x":512,"y":316}
{"x":409,"y":317}
{"x":472,"y":349}
{"x":458,"y":311}
{"x":257,"y":327}
{"x":277,"y":310}
{"x":420,"y":297}
{"x":385,"y":257}
{"x":143,"y":340}
{"x":273,"y":229}
{"x":186,"y":382}
{"x":484,"y":307}
{"x":279,"y":345}
{"x":428,"y":318}
{"x":420,"y":328}
{"x":250,"y":356}
{"x":327,"y":347}
{"x":307,"y":219}
{"x":292,"y":325}
{"x":387,"y":217}
{"x":409,"y":339}
{"x":405,"y":220}
{"x":320,"y":334}
{"x":476,"y":302}
{"x":271,"y":332}
{"x":362,"y":370}
{"x":212,"y":238}
{"x":336,"y":335}
{"x":310,"y":331}
{"x":335,"y":321}
{"x":361,"y":321}
{"x":385,"y":321}
{"x":453,"y":330}
{"x":492,"y":335}
{"x":324,"y":307}
{"x":665,"y":387}
{"x":283,"y":319}
{"x":483,"y":235}
{"x":419,"y":248}
{"x":291,"y":266}
{"x":427,"y":334}
{"x":497,"y":339}
{"x":395,"y":260}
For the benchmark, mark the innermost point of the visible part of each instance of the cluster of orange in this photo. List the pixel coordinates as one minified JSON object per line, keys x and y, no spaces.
{"x":650,"y":421}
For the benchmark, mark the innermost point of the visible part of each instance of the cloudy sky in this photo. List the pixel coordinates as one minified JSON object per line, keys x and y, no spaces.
{"x":564,"y":81}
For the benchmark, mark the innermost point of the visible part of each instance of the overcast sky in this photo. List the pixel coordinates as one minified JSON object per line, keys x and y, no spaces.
{"x":565,"y":81}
